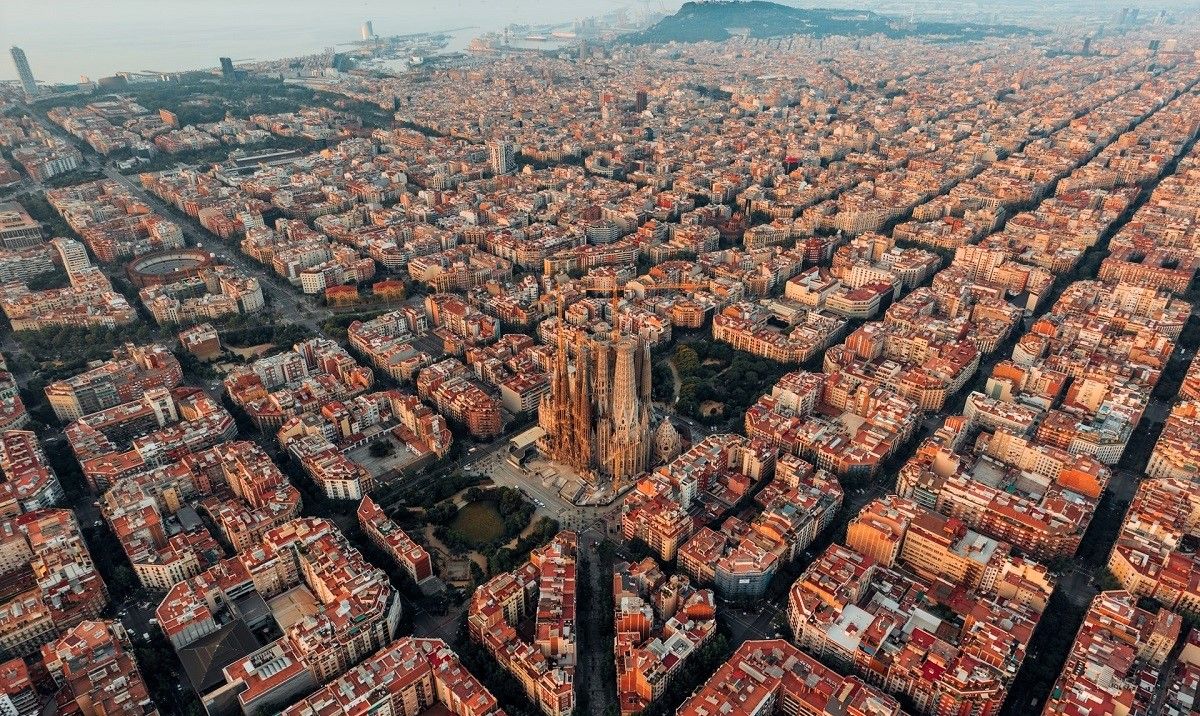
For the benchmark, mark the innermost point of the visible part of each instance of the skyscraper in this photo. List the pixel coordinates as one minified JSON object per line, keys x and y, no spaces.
{"x":227,"y":68}
{"x":502,"y":157}
{"x":23,"y":71}
{"x":367,"y":30}
{"x":597,"y":413}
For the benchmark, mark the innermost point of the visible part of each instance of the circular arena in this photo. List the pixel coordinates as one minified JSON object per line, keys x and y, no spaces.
{"x":167,"y":266}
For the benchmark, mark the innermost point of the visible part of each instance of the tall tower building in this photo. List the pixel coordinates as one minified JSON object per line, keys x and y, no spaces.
{"x":367,"y":30}
{"x":597,"y":414}
{"x":23,"y":71}
{"x":72,"y":254}
{"x":227,"y":70}
{"x":502,"y":156}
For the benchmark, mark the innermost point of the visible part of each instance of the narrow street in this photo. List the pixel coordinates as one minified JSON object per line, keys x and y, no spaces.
{"x":1051,"y":641}
{"x":595,"y":672}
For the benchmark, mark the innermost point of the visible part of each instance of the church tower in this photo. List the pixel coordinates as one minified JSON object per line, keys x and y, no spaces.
{"x":597,"y":415}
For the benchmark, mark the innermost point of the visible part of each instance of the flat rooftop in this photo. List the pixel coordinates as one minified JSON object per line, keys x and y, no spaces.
{"x":293,"y":606}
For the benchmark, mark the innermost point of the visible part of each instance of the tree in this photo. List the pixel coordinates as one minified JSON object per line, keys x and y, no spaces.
{"x":500,"y":561}
{"x":381,"y":448}
{"x":124,"y":578}
{"x":442,"y":513}
{"x":48,"y":280}
{"x":686,"y":360}
{"x":511,"y":501}
{"x":477,"y":574}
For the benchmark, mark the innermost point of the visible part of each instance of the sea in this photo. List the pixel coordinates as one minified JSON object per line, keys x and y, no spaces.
{"x":67,"y":39}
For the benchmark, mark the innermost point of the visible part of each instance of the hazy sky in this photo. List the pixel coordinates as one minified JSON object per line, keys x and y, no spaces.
{"x":66,"y":38}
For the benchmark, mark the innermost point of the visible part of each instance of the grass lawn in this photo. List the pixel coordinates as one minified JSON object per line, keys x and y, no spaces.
{"x":479,"y":522}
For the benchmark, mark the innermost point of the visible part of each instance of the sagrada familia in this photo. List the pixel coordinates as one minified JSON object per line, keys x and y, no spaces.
{"x":596,"y":416}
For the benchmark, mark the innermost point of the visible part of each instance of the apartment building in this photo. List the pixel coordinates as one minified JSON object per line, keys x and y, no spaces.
{"x":132,"y":371}
{"x":852,"y":611}
{"x":774,"y":677}
{"x":660,"y":622}
{"x":387,"y":536}
{"x":160,"y":427}
{"x":43,"y":552}
{"x":333,"y":608}
{"x":840,"y":422}
{"x":1114,"y":658}
{"x":18,"y":230}
{"x":449,"y":387}
{"x":94,"y":667}
{"x":893,"y":530}
{"x":406,"y":678}
{"x":1151,"y":557}
{"x":27,"y":481}
{"x":543,"y":588}
{"x":740,"y":558}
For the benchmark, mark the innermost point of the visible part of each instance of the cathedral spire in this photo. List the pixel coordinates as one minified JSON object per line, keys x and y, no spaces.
{"x":581,"y":425}
{"x":597,"y":413}
{"x":644,"y":389}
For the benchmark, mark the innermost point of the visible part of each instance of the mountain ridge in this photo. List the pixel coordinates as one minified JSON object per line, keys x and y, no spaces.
{"x":718,"y":20}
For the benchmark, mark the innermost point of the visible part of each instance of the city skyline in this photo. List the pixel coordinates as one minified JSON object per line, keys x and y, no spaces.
{"x":99,"y":34}
{"x":752,"y":358}
{"x":128,"y":37}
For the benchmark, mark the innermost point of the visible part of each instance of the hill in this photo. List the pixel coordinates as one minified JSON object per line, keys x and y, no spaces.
{"x":717,"y":20}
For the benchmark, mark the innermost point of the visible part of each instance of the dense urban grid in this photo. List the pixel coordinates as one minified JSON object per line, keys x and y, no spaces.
{"x":824,"y":373}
